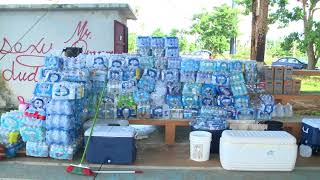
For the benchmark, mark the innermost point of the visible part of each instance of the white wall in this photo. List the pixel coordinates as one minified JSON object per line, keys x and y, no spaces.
{"x":93,"y":30}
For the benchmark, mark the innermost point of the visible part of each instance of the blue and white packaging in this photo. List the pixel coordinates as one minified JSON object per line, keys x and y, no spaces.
{"x":173,"y":62}
{"x":128,"y":86}
{"x":174,"y":101}
{"x":239,"y":89}
{"x":78,"y":62}
{"x":206,"y":66}
{"x":171,"y":42}
{"x":53,"y":62}
{"x":170,"y":75}
{"x":190,"y":113}
{"x":132,"y":62}
{"x":190,"y":101}
{"x":37,"y":149}
{"x":43,"y":89}
{"x":236,"y":78}
{"x":76,"y":75}
{"x":207,"y":101}
{"x":225,"y":101}
{"x":143,"y":41}
{"x":63,"y":152}
{"x":173,"y":88}
{"x":12,"y":120}
{"x":115,"y":75}
{"x":67,"y":90}
{"x":98,"y":62}
{"x":157,"y":112}
{"x":157,"y":42}
{"x":126,"y":113}
{"x":176,"y":113}
{"x":114,"y":88}
{"x":204,"y":77}
{"x":188,"y":76}
{"x":191,"y":89}
{"x":116,"y":62}
{"x":221,"y":66}
{"x":160,"y":63}
{"x":236,"y":66}
{"x":151,"y":73}
{"x":143,"y":111}
{"x":147,"y":62}
{"x":61,"y":137}
{"x":220,"y":79}
{"x":190,"y":65}
{"x":141,"y":96}
{"x":98,"y":75}
{"x":171,"y":52}
{"x":208,"y":90}
{"x":61,"y":122}
{"x":147,"y":84}
{"x":33,"y":134}
{"x":12,"y":149}
{"x":53,"y":76}
{"x":241,"y":101}
{"x":223,"y":90}
{"x":245,"y":114}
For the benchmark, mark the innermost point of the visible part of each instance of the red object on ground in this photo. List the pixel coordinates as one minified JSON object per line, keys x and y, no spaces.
{"x":2,"y":152}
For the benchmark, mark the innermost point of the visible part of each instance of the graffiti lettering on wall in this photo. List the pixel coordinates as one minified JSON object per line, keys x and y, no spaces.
{"x":26,"y":58}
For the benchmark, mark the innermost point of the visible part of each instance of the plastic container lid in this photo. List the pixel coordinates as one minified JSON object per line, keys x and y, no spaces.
{"x":111,"y":131}
{"x":257,"y":137}
{"x":200,"y":136}
{"x":312,"y":122}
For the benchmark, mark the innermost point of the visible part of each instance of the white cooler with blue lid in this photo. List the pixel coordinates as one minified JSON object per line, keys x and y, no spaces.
{"x":111,"y":145}
{"x":257,"y":150}
{"x":310,"y":132}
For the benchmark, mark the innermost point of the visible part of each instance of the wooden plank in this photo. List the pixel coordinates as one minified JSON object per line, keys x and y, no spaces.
{"x":170,"y":134}
{"x":160,"y":122}
{"x":306,"y":72}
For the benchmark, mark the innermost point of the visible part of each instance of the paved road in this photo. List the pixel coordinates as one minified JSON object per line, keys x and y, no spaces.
{"x":28,"y":171}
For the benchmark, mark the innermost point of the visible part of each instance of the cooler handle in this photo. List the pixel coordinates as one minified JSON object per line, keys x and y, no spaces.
{"x":305,"y":131}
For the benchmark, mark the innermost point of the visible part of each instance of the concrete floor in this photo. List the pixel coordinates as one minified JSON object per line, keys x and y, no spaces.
{"x":158,"y":161}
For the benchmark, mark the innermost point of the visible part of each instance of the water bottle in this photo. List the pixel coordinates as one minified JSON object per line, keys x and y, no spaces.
{"x":305,"y":151}
{"x":37,"y":149}
{"x":279,"y":110}
{"x":166,"y":112}
{"x":288,"y":112}
{"x":61,"y":152}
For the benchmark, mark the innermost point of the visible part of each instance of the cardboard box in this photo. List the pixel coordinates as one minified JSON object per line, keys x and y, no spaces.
{"x":287,"y":74}
{"x":269,"y":87}
{"x":287,"y":87}
{"x":268,"y":73}
{"x":278,"y":87}
{"x":278,"y":73}
{"x":296,"y":86}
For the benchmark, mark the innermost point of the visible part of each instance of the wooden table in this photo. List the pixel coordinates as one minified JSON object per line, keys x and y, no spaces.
{"x":287,"y":98}
{"x":170,"y":126}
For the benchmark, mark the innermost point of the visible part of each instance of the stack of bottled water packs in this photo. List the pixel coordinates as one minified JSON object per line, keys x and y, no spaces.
{"x":9,"y":132}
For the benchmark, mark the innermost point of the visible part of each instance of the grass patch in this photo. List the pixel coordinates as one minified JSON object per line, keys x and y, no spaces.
{"x":309,"y":84}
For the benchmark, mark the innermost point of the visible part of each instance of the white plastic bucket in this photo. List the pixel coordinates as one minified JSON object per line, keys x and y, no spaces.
{"x":200,"y":142}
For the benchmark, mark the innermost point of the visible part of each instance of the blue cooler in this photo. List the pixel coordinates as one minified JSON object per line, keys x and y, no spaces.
{"x":310,"y":133}
{"x":111,"y":145}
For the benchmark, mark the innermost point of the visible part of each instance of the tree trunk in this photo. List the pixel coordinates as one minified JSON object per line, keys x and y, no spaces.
{"x":259,"y":29}
{"x":311,"y":56}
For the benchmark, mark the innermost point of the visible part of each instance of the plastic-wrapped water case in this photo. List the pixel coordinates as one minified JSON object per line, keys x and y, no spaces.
{"x":61,"y":122}
{"x":221,"y":66}
{"x":125,"y":101}
{"x":33,"y":134}
{"x":130,"y":74}
{"x":146,"y":84}
{"x":67,"y":90}
{"x":141,"y":96}
{"x":43,"y":89}
{"x":158,"y":52}
{"x":192,"y":89}
{"x":239,"y":89}
{"x":37,"y":149}
{"x":114,"y":88}
{"x":260,"y":115}
{"x":143,"y":111}
{"x":116,"y":61}
{"x":176,"y":113}
{"x":231,"y":112}
{"x":171,"y":42}
{"x":151,"y":73}
{"x":190,"y":101}
{"x":223,"y":90}
{"x":157,"y":112}
{"x":209,"y":111}
{"x":160,"y":62}
{"x":132,"y":62}
{"x":12,"y":120}
{"x":157,"y":42}
{"x":53,"y":76}
{"x":174,"y":101}
{"x":59,"y":137}
{"x":188,"y":76}
{"x":204,"y":77}
{"x":144,"y":51}
{"x":241,"y":101}
{"x":207,"y":101}
{"x":78,"y":62}
{"x":236,"y":77}
{"x":190,"y":113}
{"x":53,"y":62}
{"x":208,"y":90}
{"x":220,"y":79}
{"x":12,"y":149}
{"x":126,"y":113}
{"x":115,"y":75}
{"x":143,"y":41}
{"x":157,"y":99}
{"x":171,"y":52}
{"x":171,"y":75}
{"x":173,"y":88}
{"x":43,"y":71}
{"x":225,"y":101}
{"x":206,"y":66}
{"x":98,"y":62}
{"x":245,"y":114}
{"x":98,"y":75}
{"x":147,"y":62}
{"x":190,"y":65}
{"x":63,"y":107}
{"x":236,"y":66}
{"x":9,"y":136}
{"x":63,"y":152}
{"x":128,"y":86}
{"x":37,"y":114}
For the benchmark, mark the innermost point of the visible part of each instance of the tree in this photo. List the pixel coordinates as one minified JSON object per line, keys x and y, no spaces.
{"x":132,"y":42}
{"x":309,"y":40}
{"x":215,"y":28}
{"x":158,"y":32}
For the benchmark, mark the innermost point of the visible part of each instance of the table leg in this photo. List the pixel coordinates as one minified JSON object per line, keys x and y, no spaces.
{"x":170,"y":134}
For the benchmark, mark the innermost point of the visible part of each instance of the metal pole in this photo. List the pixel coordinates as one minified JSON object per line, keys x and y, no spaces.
{"x":233,"y":40}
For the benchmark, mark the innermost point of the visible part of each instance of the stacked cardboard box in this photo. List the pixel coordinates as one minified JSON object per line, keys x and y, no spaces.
{"x":278,"y":80}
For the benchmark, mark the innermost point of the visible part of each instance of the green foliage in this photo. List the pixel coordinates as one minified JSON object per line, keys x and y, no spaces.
{"x":132,"y":37}
{"x":215,"y":28}
{"x":158,"y":32}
